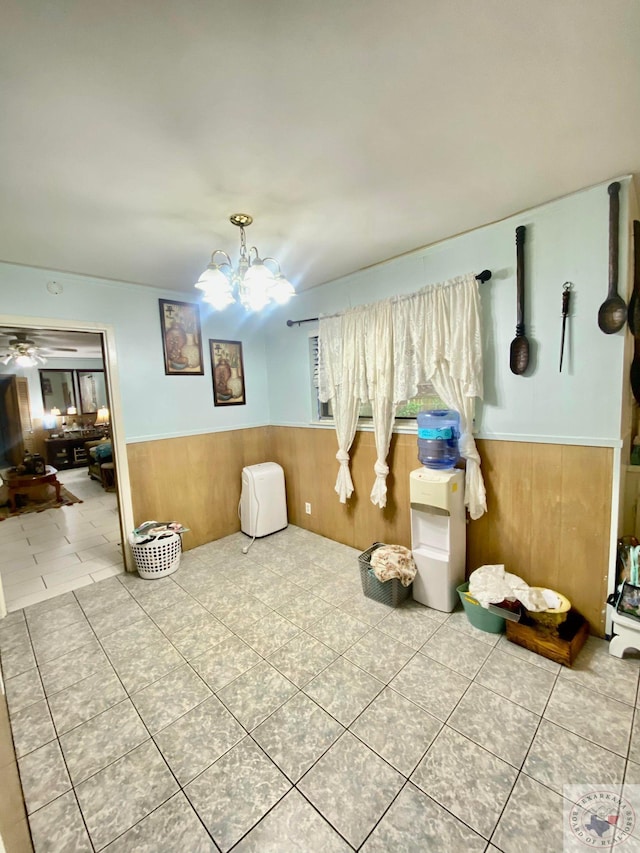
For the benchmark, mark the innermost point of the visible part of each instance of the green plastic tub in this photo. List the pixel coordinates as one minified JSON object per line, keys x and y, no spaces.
{"x":478,"y":615}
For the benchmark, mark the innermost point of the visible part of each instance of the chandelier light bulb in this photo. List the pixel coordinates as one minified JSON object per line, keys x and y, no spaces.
{"x":219,"y":298}
{"x":258,"y":274}
{"x":255,"y":298}
{"x":281,"y":290}
{"x":212,"y":277}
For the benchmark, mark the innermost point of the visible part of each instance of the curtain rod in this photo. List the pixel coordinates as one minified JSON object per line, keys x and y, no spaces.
{"x":485,"y":275}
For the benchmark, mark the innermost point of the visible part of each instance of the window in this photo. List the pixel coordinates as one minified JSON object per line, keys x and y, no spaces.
{"x":427,"y":399}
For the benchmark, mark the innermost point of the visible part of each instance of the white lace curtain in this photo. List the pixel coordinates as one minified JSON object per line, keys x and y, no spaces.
{"x":383,"y":353}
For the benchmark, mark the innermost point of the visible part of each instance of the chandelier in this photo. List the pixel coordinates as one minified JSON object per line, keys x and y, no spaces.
{"x":252,"y":283}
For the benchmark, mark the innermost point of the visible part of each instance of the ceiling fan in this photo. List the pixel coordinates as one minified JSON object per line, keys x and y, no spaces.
{"x":24,"y":352}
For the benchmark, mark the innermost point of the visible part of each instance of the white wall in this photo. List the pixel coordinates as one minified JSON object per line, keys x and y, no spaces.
{"x":154,"y":405}
{"x":565,"y":240}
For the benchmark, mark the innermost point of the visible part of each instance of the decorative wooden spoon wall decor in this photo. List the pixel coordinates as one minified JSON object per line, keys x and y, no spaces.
{"x":519,"y":353}
{"x":613,"y":311}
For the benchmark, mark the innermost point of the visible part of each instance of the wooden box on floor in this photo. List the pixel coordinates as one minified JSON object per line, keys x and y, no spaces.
{"x":561,"y":645}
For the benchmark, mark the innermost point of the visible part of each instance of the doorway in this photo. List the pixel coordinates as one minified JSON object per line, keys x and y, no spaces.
{"x":106,"y":336}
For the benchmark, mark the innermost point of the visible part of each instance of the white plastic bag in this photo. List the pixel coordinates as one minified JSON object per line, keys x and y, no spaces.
{"x":491,"y":585}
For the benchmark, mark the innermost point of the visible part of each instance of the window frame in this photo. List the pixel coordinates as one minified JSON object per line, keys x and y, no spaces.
{"x":402,"y":423}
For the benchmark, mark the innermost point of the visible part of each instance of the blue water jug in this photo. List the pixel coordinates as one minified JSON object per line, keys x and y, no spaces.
{"x":438,"y":434}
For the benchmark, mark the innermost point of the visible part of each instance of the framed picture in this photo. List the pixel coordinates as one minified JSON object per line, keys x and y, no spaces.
{"x":92,"y":390}
{"x":181,"y":338}
{"x":227,"y":370}
{"x":629,"y":600}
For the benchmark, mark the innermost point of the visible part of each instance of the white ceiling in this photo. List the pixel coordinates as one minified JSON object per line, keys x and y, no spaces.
{"x":352,"y":130}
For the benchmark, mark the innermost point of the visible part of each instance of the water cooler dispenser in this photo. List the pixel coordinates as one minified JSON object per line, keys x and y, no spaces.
{"x":438,"y":535}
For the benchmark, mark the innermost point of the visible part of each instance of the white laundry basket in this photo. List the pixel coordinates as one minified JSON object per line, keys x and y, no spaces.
{"x":159,"y":557}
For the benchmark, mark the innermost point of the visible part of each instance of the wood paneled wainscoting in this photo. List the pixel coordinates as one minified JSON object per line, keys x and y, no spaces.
{"x":549,"y":504}
{"x":195,"y":480}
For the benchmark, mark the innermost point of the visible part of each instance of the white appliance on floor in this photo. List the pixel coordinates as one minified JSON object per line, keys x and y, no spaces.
{"x":263,"y":500}
{"x":438,"y":535}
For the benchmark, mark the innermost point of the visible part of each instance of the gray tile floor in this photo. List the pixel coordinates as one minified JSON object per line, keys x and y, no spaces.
{"x":262,"y":704}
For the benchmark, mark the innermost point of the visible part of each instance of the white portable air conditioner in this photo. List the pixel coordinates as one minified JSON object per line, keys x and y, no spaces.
{"x":263,"y":501}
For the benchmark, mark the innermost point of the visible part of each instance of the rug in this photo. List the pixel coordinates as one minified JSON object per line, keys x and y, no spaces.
{"x":26,"y":504}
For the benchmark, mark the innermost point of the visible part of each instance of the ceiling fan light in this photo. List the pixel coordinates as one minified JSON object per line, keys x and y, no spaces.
{"x":25,"y":360}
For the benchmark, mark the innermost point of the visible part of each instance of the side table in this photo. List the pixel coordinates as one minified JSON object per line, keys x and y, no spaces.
{"x":20,"y":483}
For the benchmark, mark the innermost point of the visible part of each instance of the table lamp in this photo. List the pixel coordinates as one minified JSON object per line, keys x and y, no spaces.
{"x":49,"y":420}
{"x":102,"y":418}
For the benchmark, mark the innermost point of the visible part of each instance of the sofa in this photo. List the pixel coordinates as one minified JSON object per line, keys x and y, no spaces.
{"x":100,"y":453}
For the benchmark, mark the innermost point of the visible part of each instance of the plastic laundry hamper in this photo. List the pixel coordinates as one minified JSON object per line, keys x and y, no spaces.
{"x":389,"y":592}
{"x":159,"y":557}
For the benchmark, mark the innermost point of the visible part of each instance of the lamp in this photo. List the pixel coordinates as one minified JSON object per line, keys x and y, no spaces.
{"x":55,"y":411}
{"x":102,"y":418}
{"x":251,"y":283}
{"x":72,"y":410}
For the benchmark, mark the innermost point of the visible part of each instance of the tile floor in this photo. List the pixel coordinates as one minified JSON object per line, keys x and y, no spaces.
{"x":261,"y":704}
{"x":43,"y":554}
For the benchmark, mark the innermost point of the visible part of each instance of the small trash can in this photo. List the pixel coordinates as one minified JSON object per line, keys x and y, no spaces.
{"x":478,"y":615}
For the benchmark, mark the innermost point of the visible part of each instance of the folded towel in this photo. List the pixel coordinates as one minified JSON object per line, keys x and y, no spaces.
{"x":393,"y":561}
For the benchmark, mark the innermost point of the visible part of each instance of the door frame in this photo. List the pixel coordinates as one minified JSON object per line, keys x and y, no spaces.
{"x":123,"y":485}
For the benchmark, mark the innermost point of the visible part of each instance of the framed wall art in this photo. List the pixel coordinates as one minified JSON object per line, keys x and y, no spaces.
{"x":227,"y":370}
{"x":181,"y":338}
{"x":92,"y":390}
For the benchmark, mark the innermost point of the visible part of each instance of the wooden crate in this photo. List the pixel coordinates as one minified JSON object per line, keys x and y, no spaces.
{"x":562,"y":646}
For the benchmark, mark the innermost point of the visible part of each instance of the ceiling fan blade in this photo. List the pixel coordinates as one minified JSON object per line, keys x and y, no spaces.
{"x":60,"y":349}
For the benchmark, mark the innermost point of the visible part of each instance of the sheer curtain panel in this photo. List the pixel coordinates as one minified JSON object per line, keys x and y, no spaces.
{"x":385,"y":352}
{"x":336,"y":382}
